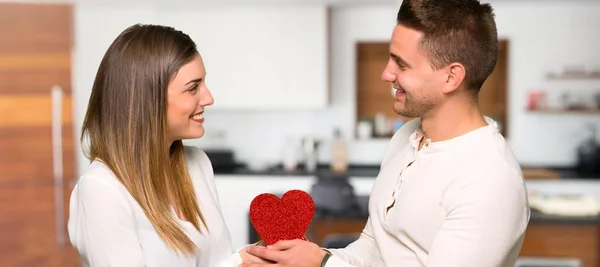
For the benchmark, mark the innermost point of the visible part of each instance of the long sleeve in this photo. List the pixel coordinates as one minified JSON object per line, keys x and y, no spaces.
{"x":361,"y":253}
{"x":233,"y":259}
{"x":486,"y":221}
{"x":101,"y":225}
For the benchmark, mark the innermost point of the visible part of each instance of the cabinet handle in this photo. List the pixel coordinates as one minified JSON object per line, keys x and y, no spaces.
{"x":57,"y":164}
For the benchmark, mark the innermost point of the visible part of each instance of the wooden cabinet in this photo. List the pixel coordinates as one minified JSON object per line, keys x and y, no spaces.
{"x":568,"y":240}
{"x":375,"y":95}
{"x":37,"y":165}
{"x":260,"y":58}
{"x":551,"y":237}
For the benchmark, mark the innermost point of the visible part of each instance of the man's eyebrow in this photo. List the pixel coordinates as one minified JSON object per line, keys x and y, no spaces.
{"x":399,"y":60}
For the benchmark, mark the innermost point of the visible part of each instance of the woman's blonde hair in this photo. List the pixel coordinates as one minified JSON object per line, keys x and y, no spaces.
{"x":127,"y":128}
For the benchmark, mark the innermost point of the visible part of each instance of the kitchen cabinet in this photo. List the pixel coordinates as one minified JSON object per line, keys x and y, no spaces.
{"x":256,"y":58}
{"x":260,"y":58}
{"x":236,"y":192}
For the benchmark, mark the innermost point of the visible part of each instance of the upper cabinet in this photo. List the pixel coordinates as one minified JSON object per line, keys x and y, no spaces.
{"x":256,"y":58}
{"x":260,"y":58}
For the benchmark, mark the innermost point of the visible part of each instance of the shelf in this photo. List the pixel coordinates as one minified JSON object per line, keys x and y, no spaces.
{"x":566,"y":111}
{"x":574,"y":76}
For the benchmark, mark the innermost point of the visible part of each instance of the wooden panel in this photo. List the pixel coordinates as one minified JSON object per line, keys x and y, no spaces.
{"x":36,"y":28}
{"x":559,"y":240}
{"x":31,"y":110}
{"x":322,"y":228}
{"x":27,"y":226}
{"x":493,"y":94}
{"x":35,"y":54}
{"x":35,"y":62}
{"x":26,"y":156}
{"x":36,"y":81}
{"x":537,"y":173}
{"x":373,"y":94}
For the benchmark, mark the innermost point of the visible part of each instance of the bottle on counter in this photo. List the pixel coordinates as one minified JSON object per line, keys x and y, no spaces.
{"x":339,"y":156}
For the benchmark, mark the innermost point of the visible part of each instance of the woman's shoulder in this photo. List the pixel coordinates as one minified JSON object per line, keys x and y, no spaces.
{"x":98,"y":180}
{"x":196,"y":155}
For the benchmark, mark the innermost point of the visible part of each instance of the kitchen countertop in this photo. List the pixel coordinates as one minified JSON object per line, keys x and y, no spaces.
{"x":373,"y":170}
{"x":536,"y":217}
{"x":353,"y":171}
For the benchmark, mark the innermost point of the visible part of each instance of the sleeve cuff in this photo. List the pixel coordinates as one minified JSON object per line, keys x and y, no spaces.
{"x":335,"y":261}
{"x":236,"y":258}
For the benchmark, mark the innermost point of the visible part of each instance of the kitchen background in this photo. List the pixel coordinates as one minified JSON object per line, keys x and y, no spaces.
{"x":286,"y":77}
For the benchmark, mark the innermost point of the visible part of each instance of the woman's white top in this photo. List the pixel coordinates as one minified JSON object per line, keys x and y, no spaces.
{"x":109,"y":228}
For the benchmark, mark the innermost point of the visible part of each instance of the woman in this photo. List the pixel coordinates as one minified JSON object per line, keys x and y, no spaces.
{"x":145,"y":199}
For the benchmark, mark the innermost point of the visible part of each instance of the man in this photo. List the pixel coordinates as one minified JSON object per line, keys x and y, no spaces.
{"x":450,"y":192}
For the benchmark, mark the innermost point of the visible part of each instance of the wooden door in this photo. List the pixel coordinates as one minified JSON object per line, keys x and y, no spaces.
{"x":37,"y":161}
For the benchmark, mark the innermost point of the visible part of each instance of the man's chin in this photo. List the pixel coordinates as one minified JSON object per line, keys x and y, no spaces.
{"x":402,"y":111}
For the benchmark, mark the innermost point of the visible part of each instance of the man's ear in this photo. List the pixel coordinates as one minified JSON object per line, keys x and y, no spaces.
{"x":455,"y":76}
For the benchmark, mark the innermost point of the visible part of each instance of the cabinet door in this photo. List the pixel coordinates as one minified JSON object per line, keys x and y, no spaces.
{"x":36,"y":135}
{"x":260,"y":58}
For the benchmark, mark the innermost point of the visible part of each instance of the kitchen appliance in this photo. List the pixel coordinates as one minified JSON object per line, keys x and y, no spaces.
{"x":334,"y":196}
{"x":588,"y":153}
{"x":223,"y":160}
{"x":310,"y":146}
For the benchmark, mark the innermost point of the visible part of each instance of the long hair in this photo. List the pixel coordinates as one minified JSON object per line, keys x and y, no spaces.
{"x":127,"y":128}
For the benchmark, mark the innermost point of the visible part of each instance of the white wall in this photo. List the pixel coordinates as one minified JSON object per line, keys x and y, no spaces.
{"x":542,"y":35}
{"x":262,"y":135}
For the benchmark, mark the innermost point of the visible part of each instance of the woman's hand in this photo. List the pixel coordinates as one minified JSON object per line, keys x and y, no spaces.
{"x":248,"y":258}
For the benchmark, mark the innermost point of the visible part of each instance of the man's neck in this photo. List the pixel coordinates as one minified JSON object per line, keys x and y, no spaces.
{"x":451,"y":120}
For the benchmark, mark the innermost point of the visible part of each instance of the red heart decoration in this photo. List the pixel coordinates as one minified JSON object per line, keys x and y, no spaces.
{"x":282,"y":219}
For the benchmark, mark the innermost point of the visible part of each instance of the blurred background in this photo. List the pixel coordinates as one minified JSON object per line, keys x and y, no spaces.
{"x":299,"y":104}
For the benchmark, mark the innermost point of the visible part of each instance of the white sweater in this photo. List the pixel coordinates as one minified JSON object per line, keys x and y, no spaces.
{"x":109,"y":229}
{"x":461,"y":203}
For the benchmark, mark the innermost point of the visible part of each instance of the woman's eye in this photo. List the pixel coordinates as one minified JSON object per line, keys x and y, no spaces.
{"x":193,"y":89}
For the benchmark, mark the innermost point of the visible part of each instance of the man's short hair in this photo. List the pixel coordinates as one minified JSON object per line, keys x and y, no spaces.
{"x":462,"y":31}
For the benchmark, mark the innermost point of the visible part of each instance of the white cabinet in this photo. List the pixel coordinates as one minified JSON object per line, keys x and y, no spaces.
{"x":236,"y":192}
{"x":257,"y":58}
{"x":260,"y":58}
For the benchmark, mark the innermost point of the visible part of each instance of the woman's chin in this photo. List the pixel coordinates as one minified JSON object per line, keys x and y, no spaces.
{"x":192,"y":134}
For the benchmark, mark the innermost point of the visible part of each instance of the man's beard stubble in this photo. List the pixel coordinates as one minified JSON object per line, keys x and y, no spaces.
{"x":414,"y":108}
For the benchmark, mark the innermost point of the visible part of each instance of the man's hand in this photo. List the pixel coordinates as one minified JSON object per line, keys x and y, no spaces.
{"x":288,"y":253}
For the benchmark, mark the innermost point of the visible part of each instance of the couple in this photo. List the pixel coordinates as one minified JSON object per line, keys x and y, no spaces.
{"x":449,"y":193}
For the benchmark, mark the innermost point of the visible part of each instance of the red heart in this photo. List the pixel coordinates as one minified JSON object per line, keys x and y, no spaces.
{"x":282,"y":219}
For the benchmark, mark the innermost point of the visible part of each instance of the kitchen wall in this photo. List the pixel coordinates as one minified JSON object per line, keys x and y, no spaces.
{"x":542,"y":36}
{"x":261,"y":136}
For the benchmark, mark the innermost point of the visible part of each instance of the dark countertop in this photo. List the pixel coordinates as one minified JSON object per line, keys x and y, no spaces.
{"x":365,"y":171}
{"x":536,"y":217}
{"x":353,"y":170}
